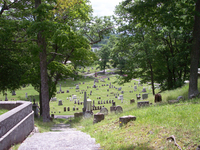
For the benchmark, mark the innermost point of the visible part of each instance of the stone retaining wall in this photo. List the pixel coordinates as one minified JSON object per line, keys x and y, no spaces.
{"x":16,"y":124}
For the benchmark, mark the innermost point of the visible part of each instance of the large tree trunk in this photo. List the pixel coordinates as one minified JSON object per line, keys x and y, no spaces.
{"x":43,"y":73}
{"x":193,"y":85}
{"x":44,"y":86}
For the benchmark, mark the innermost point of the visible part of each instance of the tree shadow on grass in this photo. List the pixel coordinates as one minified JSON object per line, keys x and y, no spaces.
{"x":141,"y":146}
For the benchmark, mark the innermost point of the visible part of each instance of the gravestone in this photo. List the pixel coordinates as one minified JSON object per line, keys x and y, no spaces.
{"x":144,"y":90}
{"x":104,"y":110}
{"x":35,"y":108}
{"x":121,"y":98}
{"x":112,"y":109}
{"x":118,"y":109}
{"x":138,"y":96}
{"x":77,"y":86}
{"x":74,"y":101}
{"x":6,"y":99}
{"x":74,"y":97}
{"x":26,"y":95}
{"x":102,"y":80}
{"x":142,"y":103}
{"x":158,"y":98}
{"x":120,"y":88}
{"x":89,"y":105}
{"x":94,"y":86}
{"x":60,"y":88}
{"x":85,"y":103}
{"x":13,"y":93}
{"x":132,"y":101}
{"x":144,"y":96}
{"x":98,"y":117}
{"x":180,"y":98}
{"x":125,"y":119}
{"x":122,"y":92}
{"x":60,"y":102}
{"x":64,"y":109}
{"x":68,"y":108}
{"x":79,"y":114}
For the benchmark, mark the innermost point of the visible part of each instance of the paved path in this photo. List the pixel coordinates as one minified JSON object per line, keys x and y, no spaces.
{"x":62,"y":137}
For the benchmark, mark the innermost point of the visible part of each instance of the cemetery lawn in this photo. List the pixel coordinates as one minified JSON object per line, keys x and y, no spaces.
{"x":2,"y":111}
{"x":151,"y":128}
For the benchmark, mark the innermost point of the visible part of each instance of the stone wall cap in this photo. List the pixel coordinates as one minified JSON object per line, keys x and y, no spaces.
{"x":14,"y":110}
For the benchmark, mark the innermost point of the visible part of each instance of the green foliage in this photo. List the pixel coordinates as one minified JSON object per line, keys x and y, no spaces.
{"x":104,"y":56}
{"x":155,"y":37}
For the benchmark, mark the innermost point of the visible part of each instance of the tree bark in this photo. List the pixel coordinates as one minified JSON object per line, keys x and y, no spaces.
{"x":44,"y":79}
{"x":193,"y":85}
{"x":43,"y":73}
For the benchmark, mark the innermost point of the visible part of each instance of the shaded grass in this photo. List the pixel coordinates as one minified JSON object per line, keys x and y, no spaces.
{"x":2,"y":111}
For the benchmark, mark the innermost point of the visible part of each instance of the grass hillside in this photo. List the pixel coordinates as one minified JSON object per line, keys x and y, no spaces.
{"x":152,"y":127}
{"x":154,"y":124}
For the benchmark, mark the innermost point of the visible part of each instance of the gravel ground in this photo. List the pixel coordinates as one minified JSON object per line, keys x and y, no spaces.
{"x":62,"y":137}
{"x":68,"y":139}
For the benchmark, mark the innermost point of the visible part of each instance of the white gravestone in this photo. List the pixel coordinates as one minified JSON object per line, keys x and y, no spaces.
{"x":121,"y":98}
{"x":89,"y":105}
{"x":77,"y":86}
{"x":74,"y":97}
{"x":53,"y":99}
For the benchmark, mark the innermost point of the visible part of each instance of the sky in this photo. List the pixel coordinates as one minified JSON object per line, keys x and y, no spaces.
{"x":104,"y":7}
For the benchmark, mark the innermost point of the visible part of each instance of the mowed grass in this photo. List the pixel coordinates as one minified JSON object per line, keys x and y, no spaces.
{"x":152,"y":127}
{"x":150,"y":130}
{"x":2,"y":111}
{"x":101,"y":91}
